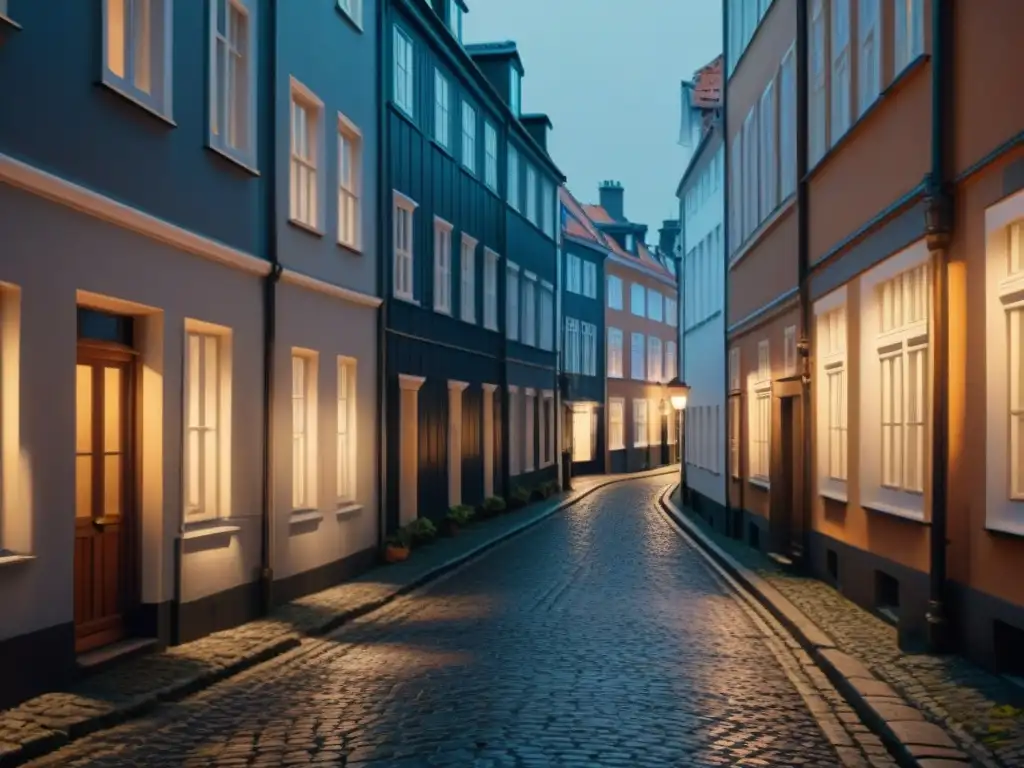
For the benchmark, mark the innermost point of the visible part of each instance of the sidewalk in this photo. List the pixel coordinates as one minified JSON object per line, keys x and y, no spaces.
{"x":127,"y":690}
{"x":980,"y":711}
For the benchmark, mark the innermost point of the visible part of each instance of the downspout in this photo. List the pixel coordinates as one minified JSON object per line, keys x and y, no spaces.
{"x":803,"y":276}
{"x":269,"y":322}
{"x":383,"y":216}
{"x":938,"y":227}
{"x":727,"y":249}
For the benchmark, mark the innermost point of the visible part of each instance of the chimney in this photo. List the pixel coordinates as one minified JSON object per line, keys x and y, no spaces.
{"x":537,"y":126}
{"x":611,"y":193}
{"x":668,"y":236}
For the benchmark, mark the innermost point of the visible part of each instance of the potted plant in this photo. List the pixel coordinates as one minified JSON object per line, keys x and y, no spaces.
{"x":396,"y":548}
{"x":492,"y":506}
{"x":458,"y":517}
{"x":520,"y":497}
{"x":421,"y":531}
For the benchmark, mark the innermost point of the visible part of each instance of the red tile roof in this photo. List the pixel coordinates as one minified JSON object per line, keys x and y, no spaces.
{"x":582,"y":217}
{"x":707,"y":85}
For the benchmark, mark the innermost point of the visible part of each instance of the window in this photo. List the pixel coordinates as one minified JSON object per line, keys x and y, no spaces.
{"x":833,"y":398}
{"x":789,"y":349}
{"x":590,"y":279}
{"x":304,"y":460}
{"x":1015,"y":355}
{"x":653,"y":358}
{"x":515,"y":429}
{"x":909,"y":33}
{"x":768,"y":178}
{"x":490,"y":289}
{"x":616,"y":424}
{"x":736,"y":200}
{"x":546,"y":420}
{"x":137,"y":51}
{"x":404,"y":76}
{"x":640,"y":428}
{"x":442,"y":110}
{"x":512,"y":301}
{"x":490,"y":156}
{"x":513,"y":178}
{"x":404,"y":210}
{"x":346,"y":437}
{"x":467,"y":269}
{"x":455,"y":19}
{"x":572,"y":352}
{"x":350,"y":152}
{"x":307,"y":111}
{"x":206,"y":426}
{"x":817,"y":97}
{"x":531,"y":194}
{"x":734,"y":436}
{"x":671,"y":312}
{"x":232,"y":80}
{"x":734,"y":369}
{"x":354,"y":10}
{"x":671,"y":364}
{"x":761,"y":417}
{"x":636,"y":357}
{"x":529,"y":420}
{"x":655,"y":305}
{"x":869,"y":64}
{"x":589,"y":363}
{"x":468,"y":137}
{"x":614,"y":292}
{"x":750,"y":178}
{"x":840,"y":69}
{"x":547,"y":210}
{"x":547,"y":316}
{"x":636,"y":300}
{"x":573,"y":273}
{"x":787,"y":128}
{"x":515,"y":90}
{"x":614,"y":353}
{"x":442,"y":266}
{"x":529,"y":335}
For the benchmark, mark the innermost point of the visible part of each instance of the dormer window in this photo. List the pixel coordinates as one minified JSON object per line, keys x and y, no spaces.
{"x":629,"y":243}
{"x":455,"y":19}
{"x":515,"y":89}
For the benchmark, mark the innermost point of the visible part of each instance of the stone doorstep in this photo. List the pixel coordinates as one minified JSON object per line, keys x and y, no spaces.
{"x":48,"y":722}
{"x":900,"y":724}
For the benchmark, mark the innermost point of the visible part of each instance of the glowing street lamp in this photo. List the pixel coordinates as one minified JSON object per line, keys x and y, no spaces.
{"x":678,"y":393}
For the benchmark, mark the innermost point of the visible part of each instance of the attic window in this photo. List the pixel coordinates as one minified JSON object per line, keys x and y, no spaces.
{"x":515,"y":90}
{"x":629,"y":243}
{"x":455,"y":19}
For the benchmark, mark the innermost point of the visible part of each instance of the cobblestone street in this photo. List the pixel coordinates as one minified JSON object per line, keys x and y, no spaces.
{"x":597,"y":638}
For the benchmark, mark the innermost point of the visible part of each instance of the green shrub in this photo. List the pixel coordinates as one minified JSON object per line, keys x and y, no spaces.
{"x":400,"y":538}
{"x":421,"y":531}
{"x":493,"y":505}
{"x":461,"y":514}
{"x":520,"y":497}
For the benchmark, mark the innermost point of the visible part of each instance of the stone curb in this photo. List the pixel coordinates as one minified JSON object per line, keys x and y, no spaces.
{"x":44,"y":740}
{"x":912,"y":740}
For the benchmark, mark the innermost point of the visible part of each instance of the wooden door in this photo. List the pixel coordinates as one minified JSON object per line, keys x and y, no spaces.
{"x":103,"y":503}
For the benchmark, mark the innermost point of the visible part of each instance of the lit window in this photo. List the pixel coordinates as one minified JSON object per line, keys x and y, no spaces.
{"x":789,"y":350}
{"x":832,"y":400}
{"x":137,"y":51}
{"x":207,"y":426}
{"x":304,"y":194}
{"x":640,"y":427}
{"x":653,"y":358}
{"x":615,"y":353}
{"x":346,"y":437}
{"x":403,"y":212}
{"x":636,"y":360}
{"x":304,"y":460}
{"x":233,"y":80}
{"x":761,"y":417}
{"x":350,"y":151}
{"x":616,"y":424}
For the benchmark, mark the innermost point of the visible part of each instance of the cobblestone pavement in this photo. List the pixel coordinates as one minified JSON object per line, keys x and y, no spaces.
{"x":597,"y":638}
{"x":983,"y":710}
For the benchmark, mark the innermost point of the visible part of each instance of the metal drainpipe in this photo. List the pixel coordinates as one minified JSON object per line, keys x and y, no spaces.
{"x":383,"y":215}
{"x":803,"y":277}
{"x":938,"y":227}
{"x":724,"y":127}
{"x":269,"y":322}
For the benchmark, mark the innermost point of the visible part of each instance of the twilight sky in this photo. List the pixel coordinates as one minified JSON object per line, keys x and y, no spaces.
{"x":609,"y":81}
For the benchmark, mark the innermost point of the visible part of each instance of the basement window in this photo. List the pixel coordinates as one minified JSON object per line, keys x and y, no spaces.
{"x":754,"y":536}
{"x":832,"y":565}
{"x":887,"y":596}
{"x":1007,"y":640}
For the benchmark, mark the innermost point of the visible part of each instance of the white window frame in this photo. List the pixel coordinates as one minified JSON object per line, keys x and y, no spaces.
{"x":908,"y":33}
{"x":546,"y":428}
{"x":513,"y":178}
{"x":547,"y":208}
{"x":528,"y":335}
{"x":515,"y":446}
{"x":442,"y":266}
{"x":590,"y":279}
{"x":615,"y":292}
{"x":547,"y":316}
{"x":787,"y":125}
{"x":768,"y":178}
{"x":404,"y":243}
{"x":306,"y":159}
{"x":469,"y":137}
{"x":817,"y":85}
{"x":654,"y":370}
{"x":615,"y":348}
{"x":346,"y":436}
{"x":671,"y":312}
{"x":671,"y":363}
{"x":751,"y":211}
{"x":735,"y":423}
{"x":884,"y":343}
{"x":232,"y":82}
{"x":734,"y":370}
{"x":206,"y":432}
{"x":655,"y":305}
{"x":491,"y":259}
{"x":616,"y":423}
{"x":404,"y":73}
{"x":305,"y":453}
{"x":760,"y":432}
{"x":512,"y":301}
{"x":531,"y":194}
{"x":573,"y":273}
{"x":529,"y":423}
{"x":350,"y":209}
{"x":641,"y":423}
{"x":490,"y":156}
{"x":637,"y":357}
{"x":839,"y":12}
{"x":869,"y":53}
{"x":353,"y":9}
{"x":442,"y":110}
{"x":737,"y":232}
{"x":832,"y":395}
{"x":573,"y":353}
{"x":467,"y":282}
{"x":588,"y":334}
{"x":147,"y":82}
{"x":637,"y":300}
{"x":789,"y":356}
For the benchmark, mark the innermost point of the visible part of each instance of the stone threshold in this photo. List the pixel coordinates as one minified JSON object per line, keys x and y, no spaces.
{"x":907,"y":734}
{"x":130,"y":688}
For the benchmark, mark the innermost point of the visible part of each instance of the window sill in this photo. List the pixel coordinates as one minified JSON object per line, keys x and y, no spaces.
{"x":129,"y":96}
{"x":839,"y":496}
{"x":641,"y":445}
{"x":233,"y":159}
{"x":437,"y":143}
{"x":348,"y":512}
{"x":468,"y":320}
{"x":407,"y":299}
{"x":300,"y":516}
{"x":210,"y":531}
{"x":616,"y":448}
{"x":894,"y":511}
{"x":762,"y":229}
{"x":349,"y":18}
{"x":6,"y":22}
{"x":305,"y":227}
{"x":491,"y":327}
{"x":761,"y":483}
{"x":1005,"y":529}
{"x":403,"y":113}
{"x":11,"y":558}
{"x":471,"y":172}
{"x":355,"y":250}
{"x":447,"y":312}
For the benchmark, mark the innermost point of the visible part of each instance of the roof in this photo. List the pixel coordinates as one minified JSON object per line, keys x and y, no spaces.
{"x":707,"y":85}
{"x":581,"y":221}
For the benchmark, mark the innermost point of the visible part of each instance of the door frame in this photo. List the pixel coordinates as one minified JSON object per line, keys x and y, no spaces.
{"x":786,"y":507}
{"x":93,"y":352}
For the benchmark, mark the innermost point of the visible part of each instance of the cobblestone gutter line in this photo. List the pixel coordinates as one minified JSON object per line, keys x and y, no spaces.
{"x":912,"y":739}
{"x":128,"y":690}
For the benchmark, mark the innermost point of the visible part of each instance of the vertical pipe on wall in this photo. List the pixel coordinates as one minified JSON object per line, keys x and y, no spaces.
{"x":383,"y":216}
{"x":803,"y":274}
{"x":726,"y":245}
{"x":938,"y":227}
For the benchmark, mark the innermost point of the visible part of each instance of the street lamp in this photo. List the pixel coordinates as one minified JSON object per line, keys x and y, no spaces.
{"x":678,"y":394}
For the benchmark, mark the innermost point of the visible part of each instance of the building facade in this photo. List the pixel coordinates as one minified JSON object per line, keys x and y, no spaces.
{"x":471,"y":237}
{"x":910,"y":312}
{"x":165,"y":331}
{"x":701,"y":211}
{"x":641,"y":322}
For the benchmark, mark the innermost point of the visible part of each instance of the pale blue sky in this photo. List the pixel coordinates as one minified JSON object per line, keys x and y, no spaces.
{"x":608,"y":73}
